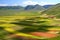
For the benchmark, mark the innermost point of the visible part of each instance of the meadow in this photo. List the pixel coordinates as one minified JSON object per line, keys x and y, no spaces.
{"x":15,"y":24}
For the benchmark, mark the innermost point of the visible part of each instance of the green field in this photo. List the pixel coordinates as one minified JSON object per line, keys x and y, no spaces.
{"x":17,"y":23}
{"x":18,"y":12}
{"x":11,"y":24}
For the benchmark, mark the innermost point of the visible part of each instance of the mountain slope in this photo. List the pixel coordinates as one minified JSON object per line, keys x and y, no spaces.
{"x":54,"y":10}
{"x":34,"y":7}
{"x":47,"y":6}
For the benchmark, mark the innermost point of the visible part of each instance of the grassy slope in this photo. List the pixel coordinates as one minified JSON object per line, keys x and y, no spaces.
{"x":54,"y":10}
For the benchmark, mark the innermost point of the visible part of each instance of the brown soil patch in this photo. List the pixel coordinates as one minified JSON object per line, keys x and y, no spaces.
{"x":43,"y":34}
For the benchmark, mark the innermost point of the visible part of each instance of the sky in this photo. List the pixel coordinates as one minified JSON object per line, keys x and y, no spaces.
{"x":27,"y":2}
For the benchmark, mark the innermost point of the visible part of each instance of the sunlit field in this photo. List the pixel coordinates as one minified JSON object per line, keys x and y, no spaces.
{"x":12,"y":25}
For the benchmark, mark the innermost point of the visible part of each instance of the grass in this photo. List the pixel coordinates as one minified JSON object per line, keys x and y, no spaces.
{"x":6,"y":19}
{"x":18,"y":12}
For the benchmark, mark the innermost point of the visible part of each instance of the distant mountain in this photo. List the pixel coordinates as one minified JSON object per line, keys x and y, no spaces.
{"x":54,"y":10}
{"x":29,"y":7}
{"x":47,"y":6}
{"x":34,"y":7}
{"x":11,"y":7}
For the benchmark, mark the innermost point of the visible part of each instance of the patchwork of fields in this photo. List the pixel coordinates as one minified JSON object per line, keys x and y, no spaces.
{"x":22,"y":26}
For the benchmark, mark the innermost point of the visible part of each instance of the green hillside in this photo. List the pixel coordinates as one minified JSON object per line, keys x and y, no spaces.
{"x":54,"y":10}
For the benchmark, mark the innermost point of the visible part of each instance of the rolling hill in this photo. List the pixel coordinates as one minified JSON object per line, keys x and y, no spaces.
{"x":54,"y":10}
